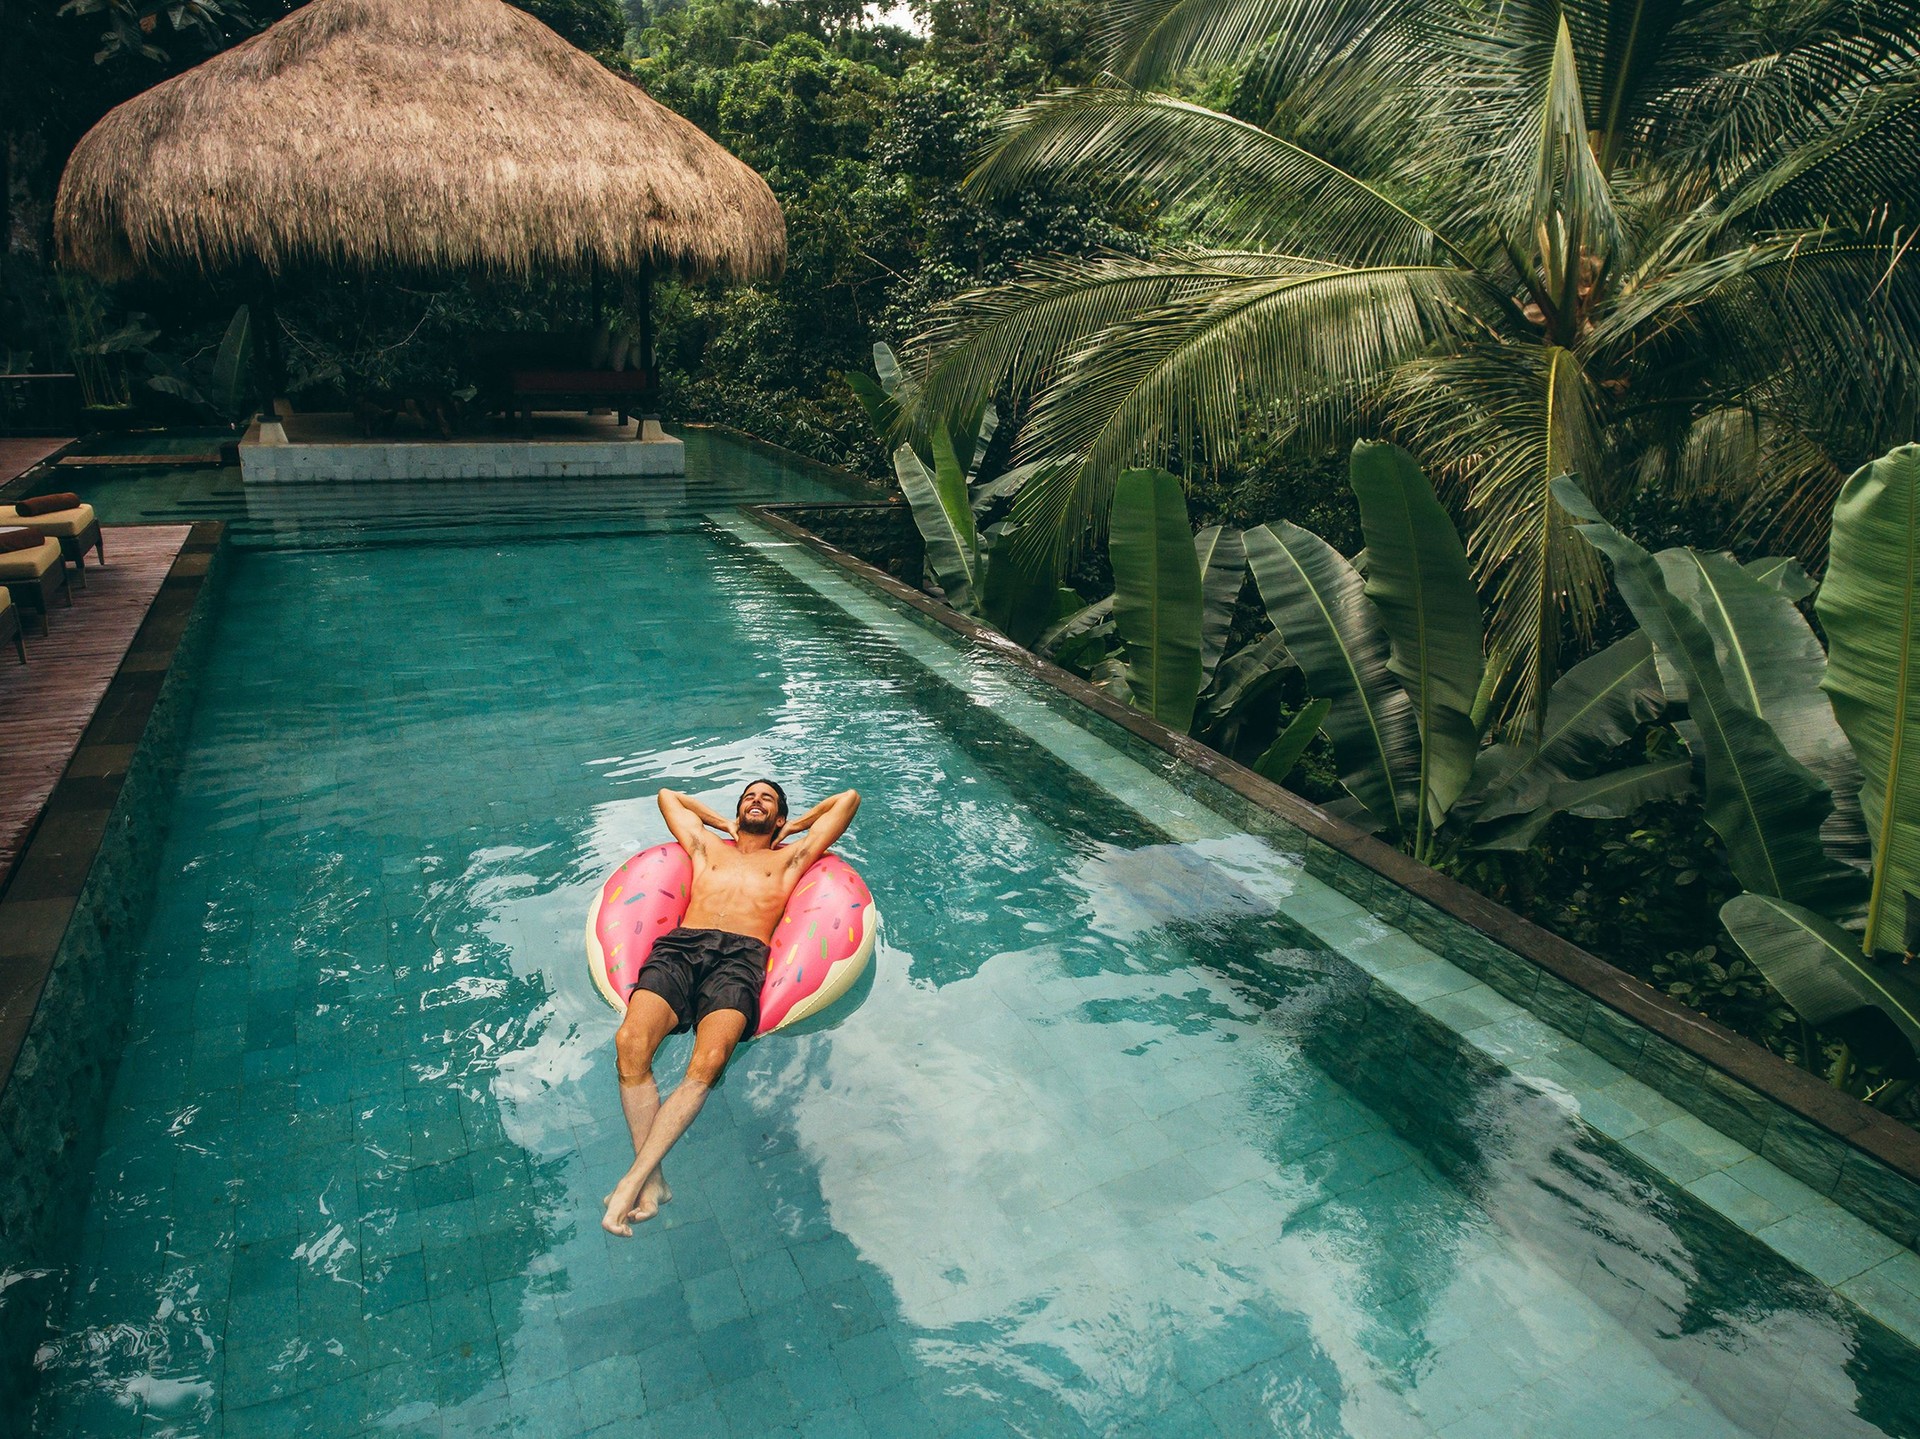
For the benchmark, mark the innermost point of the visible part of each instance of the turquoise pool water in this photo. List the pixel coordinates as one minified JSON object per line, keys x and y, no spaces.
{"x":1102,"y":1152}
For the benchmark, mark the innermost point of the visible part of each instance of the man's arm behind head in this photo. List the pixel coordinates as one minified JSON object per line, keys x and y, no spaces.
{"x":823,"y":824}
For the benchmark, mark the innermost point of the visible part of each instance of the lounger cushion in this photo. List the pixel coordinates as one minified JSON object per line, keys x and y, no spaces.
{"x":30,"y":564}
{"x":6,"y":599}
{"x":60,"y":522}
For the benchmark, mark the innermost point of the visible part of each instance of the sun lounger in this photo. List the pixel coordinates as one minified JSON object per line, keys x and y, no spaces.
{"x":10,"y":624}
{"x":76,"y":529}
{"x":34,"y":577}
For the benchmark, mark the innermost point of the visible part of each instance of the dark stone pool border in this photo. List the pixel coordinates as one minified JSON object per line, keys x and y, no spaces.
{"x":68,"y":917}
{"x":1863,"y":1160}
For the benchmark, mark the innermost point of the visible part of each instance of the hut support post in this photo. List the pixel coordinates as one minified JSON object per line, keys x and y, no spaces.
{"x":646,"y":330}
{"x":267,"y":374}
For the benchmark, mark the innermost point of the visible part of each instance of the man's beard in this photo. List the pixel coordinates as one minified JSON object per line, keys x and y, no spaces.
{"x":765,"y":825}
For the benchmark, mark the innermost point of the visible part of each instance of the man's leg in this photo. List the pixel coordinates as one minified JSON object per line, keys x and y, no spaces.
{"x":713,"y":1042}
{"x":650,"y":1019}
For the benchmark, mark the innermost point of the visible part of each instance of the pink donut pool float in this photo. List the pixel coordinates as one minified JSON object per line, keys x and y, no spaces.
{"x":820,"y":947}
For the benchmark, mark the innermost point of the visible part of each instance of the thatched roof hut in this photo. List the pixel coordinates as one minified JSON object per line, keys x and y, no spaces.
{"x":373,"y":134}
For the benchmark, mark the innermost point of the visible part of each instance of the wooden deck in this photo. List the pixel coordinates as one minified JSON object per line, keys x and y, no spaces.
{"x":45,"y":705}
{"x":20,"y":453}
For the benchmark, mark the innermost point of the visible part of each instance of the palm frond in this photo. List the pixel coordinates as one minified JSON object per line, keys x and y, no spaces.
{"x":1780,"y":66}
{"x":1178,"y":381}
{"x":1151,"y":41}
{"x":1246,"y":188}
{"x":1507,"y":422}
{"x":1011,"y":338}
{"x":1850,"y":159}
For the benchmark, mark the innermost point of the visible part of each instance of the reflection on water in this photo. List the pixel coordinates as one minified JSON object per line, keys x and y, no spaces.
{"x":1106,"y":1151}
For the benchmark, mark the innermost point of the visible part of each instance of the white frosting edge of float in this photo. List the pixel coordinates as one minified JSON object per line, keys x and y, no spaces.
{"x":596,"y":957}
{"x":840,"y":974}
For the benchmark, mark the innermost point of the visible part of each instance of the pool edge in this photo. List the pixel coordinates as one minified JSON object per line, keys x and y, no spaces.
{"x":1836,"y":1146}
{"x":113,"y":795}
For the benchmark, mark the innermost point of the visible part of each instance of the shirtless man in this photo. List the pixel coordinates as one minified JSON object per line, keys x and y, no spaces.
{"x":706,"y":975}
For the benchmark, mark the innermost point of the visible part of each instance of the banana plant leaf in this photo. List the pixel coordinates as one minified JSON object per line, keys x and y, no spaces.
{"x":1318,"y":604}
{"x":886,"y":365}
{"x":1869,"y":606}
{"x":1817,"y":966}
{"x":1240,"y":675}
{"x":1419,"y":582}
{"x":1592,"y":710}
{"x":1007,"y":484}
{"x":1285,"y":751}
{"x":1157,"y":597}
{"x":1783,"y":573}
{"x":952,"y":551}
{"x":879,"y":405}
{"x":1764,"y":804}
{"x":1613,"y":795}
{"x":1018,"y":593}
{"x":1223,"y":569}
{"x":980,"y":437}
{"x":1772,"y":663}
{"x":1082,"y":621}
{"x":1112,"y":676}
{"x":231,"y":390}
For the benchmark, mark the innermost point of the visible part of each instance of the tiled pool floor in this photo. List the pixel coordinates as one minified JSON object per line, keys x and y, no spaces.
{"x":1078,"y":1164}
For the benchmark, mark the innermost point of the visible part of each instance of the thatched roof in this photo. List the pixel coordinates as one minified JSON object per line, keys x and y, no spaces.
{"x":416,"y":134}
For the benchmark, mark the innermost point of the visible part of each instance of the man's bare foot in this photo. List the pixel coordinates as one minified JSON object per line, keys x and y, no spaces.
{"x":620,"y":1205}
{"x":623,"y":1207}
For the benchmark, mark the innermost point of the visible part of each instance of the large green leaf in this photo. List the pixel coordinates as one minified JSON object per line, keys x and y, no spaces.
{"x":1419,"y":582}
{"x":1157,"y":597}
{"x":1018,"y":591}
{"x":1869,"y":606}
{"x":1285,"y":751}
{"x":1318,"y":603}
{"x":887,"y":366}
{"x":1817,"y":966}
{"x":1243,"y":674}
{"x":1080,"y":622}
{"x":1613,"y":795}
{"x":879,"y":405}
{"x":950,"y":483}
{"x":1772,"y":663}
{"x":1783,"y":573}
{"x":1765,"y":805}
{"x":951,"y":549}
{"x":985,"y":426}
{"x":1592,"y":710}
{"x":231,"y":371}
{"x":1223,"y":569}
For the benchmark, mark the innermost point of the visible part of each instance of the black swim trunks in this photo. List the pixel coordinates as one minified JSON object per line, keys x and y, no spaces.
{"x":700,"y":970}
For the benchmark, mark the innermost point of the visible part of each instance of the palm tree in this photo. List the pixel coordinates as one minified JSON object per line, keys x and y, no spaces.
{"x":1648,"y":242}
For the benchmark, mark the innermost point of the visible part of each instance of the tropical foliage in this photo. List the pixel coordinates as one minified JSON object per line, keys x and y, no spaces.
{"x":1397,"y":655}
{"x":1656,"y":245}
{"x":1815,"y":801}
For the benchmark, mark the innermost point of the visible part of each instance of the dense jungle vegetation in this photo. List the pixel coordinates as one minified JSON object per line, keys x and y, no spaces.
{"x":1229,"y":238}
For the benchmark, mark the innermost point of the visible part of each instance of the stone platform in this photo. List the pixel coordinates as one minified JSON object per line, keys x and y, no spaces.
{"x":330,"y":448}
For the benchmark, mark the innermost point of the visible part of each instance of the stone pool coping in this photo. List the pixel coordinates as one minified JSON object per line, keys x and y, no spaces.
{"x":1876,"y":1140}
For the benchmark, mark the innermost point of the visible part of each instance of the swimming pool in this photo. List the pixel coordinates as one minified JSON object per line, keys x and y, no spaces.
{"x":1120,"y":1142}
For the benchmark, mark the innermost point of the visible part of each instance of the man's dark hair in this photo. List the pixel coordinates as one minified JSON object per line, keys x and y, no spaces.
{"x":781,"y":813}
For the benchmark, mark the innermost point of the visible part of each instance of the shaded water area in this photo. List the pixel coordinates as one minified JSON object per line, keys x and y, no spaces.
{"x":1114,"y":1145}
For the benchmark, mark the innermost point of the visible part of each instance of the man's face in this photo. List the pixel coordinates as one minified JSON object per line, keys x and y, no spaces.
{"x":759,"y":810}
